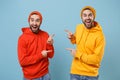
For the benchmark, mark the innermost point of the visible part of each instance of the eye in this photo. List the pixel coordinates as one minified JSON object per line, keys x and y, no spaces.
{"x":38,"y":20}
{"x":84,"y":15}
{"x":32,"y":19}
{"x":90,"y":14}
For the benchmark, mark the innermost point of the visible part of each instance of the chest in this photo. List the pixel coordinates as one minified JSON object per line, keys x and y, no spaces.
{"x":87,"y":41}
{"x":36,"y":42}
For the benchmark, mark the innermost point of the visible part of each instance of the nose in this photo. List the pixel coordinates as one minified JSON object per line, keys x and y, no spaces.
{"x":87,"y":17}
{"x":34,"y":22}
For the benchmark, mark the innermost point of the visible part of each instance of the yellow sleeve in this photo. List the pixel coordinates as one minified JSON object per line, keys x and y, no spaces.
{"x":97,"y":55}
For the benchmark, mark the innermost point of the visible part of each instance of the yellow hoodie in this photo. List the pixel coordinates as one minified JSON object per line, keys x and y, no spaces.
{"x":90,"y":45}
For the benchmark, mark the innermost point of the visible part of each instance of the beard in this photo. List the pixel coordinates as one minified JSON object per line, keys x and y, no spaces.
{"x":88,"y":23}
{"x":34,"y":28}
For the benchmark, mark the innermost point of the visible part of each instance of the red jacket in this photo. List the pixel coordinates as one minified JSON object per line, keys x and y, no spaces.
{"x":30,"y":45}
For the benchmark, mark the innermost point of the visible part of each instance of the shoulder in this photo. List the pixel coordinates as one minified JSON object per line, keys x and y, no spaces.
{"x":79,"y":26}
{"x":43,"y":33}
{"x":22,"y":37}
{"x":100,"y":36}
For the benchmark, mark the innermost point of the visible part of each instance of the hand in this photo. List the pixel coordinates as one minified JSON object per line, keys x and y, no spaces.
{"x":73,"y":51}
{"x":44,"y":52}
{"x":69,"y":34}
{"x":50,"y":39}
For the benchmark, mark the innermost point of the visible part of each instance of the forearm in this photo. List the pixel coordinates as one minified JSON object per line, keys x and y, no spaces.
{"x":29,"y":60}
{"x":90,"y":59}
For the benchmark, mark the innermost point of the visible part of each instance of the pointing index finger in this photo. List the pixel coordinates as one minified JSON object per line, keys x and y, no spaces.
{"x":69,"y":49}
{"x":68,"y":32}
{"x":49,"y":51}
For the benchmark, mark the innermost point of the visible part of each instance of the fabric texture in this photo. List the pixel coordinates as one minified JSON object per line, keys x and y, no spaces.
{"x":37,"y":13}
{"x":45,"y":77}
{"x":90,"y":8}
{"x":90,"y":45}
{"x":79,"y":77}
{"x":30,"y":45}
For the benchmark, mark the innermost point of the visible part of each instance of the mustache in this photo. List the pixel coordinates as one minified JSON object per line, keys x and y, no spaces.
{"x":34,"y":25}
{"x":88,"y":20}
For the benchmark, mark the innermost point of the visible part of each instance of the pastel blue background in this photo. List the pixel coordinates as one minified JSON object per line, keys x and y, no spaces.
{"x":57,"y":16}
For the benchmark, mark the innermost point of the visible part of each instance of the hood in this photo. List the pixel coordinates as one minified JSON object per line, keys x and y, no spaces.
{"x":26,"y":30}
{"x":97,"y":27}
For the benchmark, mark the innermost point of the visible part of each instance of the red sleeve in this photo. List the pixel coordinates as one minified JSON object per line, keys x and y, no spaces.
{"x":23,"y":57}
{"x":50,"y":47}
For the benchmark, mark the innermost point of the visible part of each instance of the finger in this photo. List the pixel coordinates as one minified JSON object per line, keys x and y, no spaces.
{"x":68,"y":31}
{"x":52,"y":35}
{"x":49,"y":51}
{"x":69,"y":49}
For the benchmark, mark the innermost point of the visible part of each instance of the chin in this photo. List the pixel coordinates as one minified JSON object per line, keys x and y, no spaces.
{"x":35,"y":31}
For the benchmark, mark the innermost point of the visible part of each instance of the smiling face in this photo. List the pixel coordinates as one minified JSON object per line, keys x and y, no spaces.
{"x":88,"y":18}
{"x":35,"y":23}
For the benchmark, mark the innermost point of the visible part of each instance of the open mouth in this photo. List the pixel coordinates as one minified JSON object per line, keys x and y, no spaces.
{"x":34,"y":27}
{"x":88,"y":21}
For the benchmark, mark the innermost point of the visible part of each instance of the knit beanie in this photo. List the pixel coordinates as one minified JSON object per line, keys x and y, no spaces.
{"x":90,"y":8}
{"x":37,"y":13}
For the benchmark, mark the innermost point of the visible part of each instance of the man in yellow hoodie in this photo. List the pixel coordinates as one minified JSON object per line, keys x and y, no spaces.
{"x":90,"y":44}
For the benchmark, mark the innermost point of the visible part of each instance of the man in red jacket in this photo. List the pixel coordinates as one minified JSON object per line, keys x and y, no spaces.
{"x":35,"y":47}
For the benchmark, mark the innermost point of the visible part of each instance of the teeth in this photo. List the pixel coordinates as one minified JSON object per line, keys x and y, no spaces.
{"x":87,"y":21}
{"x":34,"y":26}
